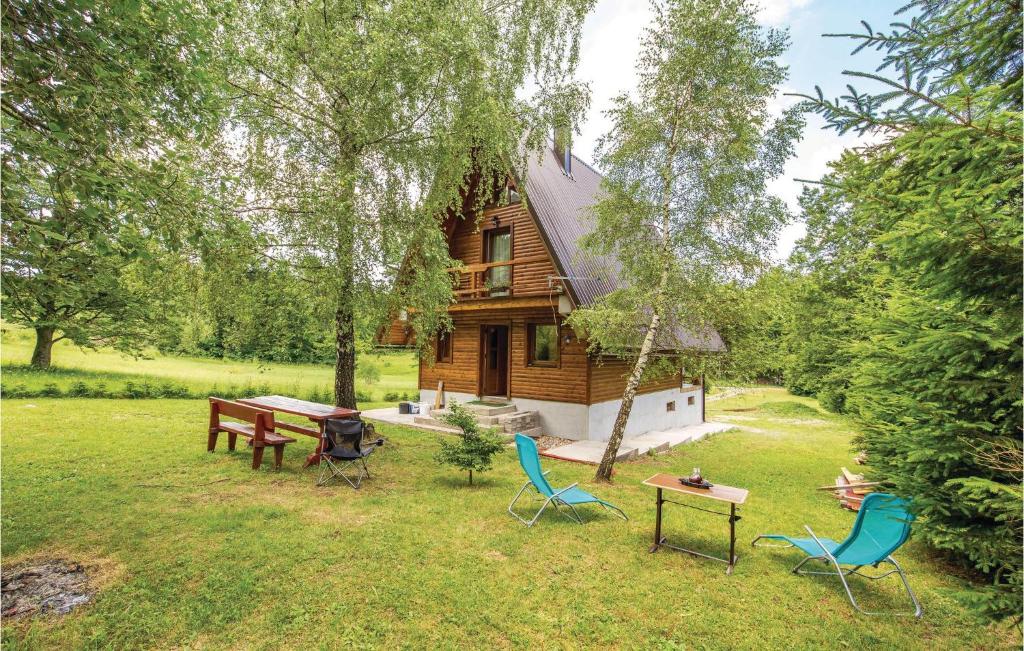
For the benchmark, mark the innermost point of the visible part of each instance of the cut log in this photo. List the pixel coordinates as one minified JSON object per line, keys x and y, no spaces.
{"x":439,"y":397}
{"x":833,"y":487}
{"x":855,"y":480}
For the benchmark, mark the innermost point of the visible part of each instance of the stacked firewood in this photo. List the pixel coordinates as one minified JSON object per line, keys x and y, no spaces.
{"x":850,"y":489}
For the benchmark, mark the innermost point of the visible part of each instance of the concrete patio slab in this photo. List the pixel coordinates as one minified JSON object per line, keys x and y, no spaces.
{"x":587,"y":452}
{"x":645,"y":444}
{"x":659,"y":441}
{"x":391,"y":416}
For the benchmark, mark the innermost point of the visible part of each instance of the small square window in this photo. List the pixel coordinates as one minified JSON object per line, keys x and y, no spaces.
{"x":542,"y":344}
{"x":670,"y":406}
{"x":444,"y":347}
{"x":690,"y":401}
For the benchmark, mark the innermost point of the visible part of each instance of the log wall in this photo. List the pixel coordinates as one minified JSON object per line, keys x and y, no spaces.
{"x":530,"y":279}
{"x":608,"y":380}
{"x":565,"y":383}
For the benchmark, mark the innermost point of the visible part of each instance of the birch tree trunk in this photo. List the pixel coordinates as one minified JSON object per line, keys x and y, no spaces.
{"x":604,"y":471}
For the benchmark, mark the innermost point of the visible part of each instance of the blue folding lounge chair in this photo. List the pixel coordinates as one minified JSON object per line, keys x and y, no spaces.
{"x":569,"y":496}
{"x":882,"y":525}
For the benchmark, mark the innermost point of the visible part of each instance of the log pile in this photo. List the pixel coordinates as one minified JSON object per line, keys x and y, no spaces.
{"x":850,"y":489}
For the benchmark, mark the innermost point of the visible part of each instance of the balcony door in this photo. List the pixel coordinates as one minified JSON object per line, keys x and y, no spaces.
{"x":498,"y":248}
{"x":494,"y":360}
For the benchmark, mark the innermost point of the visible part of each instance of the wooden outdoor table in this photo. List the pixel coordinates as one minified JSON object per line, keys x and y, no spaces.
{"x":733,"y":496}
{"x":314,"y":411}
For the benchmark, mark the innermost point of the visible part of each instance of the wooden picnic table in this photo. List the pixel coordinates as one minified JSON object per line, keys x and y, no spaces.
{"x":314,"y":411}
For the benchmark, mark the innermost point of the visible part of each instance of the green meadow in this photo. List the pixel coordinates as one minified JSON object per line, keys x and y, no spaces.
{"x":191,"y":549}
{"x":107,"y":372}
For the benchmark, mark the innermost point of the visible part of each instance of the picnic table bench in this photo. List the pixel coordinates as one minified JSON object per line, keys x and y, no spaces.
{"x":257,"y":425}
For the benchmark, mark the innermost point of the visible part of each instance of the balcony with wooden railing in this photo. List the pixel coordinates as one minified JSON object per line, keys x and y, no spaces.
{"x":502,"y":279}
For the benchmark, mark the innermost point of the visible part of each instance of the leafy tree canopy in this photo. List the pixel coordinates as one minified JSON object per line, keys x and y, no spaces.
{"x":365,"y":123}
{"x":98,"y":100}
{"x":687,"y":160}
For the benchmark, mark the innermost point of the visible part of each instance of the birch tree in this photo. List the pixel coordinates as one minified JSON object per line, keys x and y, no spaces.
{"x":686,"y":160}
{"x":365,"y":122}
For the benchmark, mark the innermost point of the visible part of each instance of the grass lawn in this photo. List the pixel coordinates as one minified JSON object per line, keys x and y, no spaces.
{"x":194,"y":550}
{"x":202,"y":376}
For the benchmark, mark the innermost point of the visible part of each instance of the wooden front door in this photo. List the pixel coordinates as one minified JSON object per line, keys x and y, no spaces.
{"x":494,"y":360}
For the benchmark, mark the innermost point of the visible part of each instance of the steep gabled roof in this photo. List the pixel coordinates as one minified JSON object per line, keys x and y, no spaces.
{"x":562,"y":206}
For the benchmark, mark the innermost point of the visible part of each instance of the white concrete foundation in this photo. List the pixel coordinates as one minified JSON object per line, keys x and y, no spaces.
{"x":650,"y":412}
{"x":594,"y":422}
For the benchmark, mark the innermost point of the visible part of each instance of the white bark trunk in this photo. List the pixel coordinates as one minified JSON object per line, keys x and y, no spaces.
{"x":604,"y":471}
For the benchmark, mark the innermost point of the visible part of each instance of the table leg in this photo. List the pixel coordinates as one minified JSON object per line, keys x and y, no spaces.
{"x":314,"y":459}
{"x":732,"y":538}
{"x":657,"y":525}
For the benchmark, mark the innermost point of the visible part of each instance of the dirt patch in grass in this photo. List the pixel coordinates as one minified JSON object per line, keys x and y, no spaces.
{"x":55,"y":581}
{"x":45,"y":586}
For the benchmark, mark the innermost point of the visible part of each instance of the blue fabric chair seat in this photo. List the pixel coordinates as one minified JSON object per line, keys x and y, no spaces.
{"x":882,"y":526}
{"x":578,"y":496}
{"x":529,"y":459}
{"x":808,"y":545}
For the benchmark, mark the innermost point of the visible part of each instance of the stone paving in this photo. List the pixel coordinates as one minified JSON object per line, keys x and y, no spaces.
{"x":580,"y":451}
{"x":633,"y":446}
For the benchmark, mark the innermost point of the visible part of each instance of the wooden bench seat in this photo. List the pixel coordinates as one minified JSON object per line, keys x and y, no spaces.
{"x":257,"y":425}
{"x":249,"y":431}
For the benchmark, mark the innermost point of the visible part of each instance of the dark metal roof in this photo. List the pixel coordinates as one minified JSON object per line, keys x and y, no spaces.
{"x":562,"y":205}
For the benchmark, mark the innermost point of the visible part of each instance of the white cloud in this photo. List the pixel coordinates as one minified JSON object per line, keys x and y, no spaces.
{"x":777,"y":12}
{"x":608,"y":53}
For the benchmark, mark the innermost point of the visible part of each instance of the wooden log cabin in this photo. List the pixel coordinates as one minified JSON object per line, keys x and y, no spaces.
{"x":523,"y":273}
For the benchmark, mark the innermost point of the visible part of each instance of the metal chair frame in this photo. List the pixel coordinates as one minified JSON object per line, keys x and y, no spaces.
{"x":827,"y":557}
{"x":327,"y":465}
{"x":554,"y":500}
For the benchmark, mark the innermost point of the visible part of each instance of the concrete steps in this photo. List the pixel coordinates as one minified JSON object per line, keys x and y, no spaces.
{"x":490,"y":411}
{"x":518,"y":421}
{"x":588,"y":452}
{"x":507,"y":419}
{"x":533,"y":432}
{"x":432,"y":422}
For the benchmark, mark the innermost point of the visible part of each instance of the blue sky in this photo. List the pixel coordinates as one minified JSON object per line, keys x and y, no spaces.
{"x":611,"y":41}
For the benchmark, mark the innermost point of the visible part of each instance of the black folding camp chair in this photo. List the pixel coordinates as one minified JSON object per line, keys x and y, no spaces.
{"x":344,"y":449}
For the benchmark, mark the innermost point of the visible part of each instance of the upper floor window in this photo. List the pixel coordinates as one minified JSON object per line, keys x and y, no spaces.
{"x":498,"y":248}
{"x":542,"y":344}
{"x":444,"y":347}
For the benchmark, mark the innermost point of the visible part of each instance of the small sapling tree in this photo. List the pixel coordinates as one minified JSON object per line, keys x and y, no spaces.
{"x":476,"y":446}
